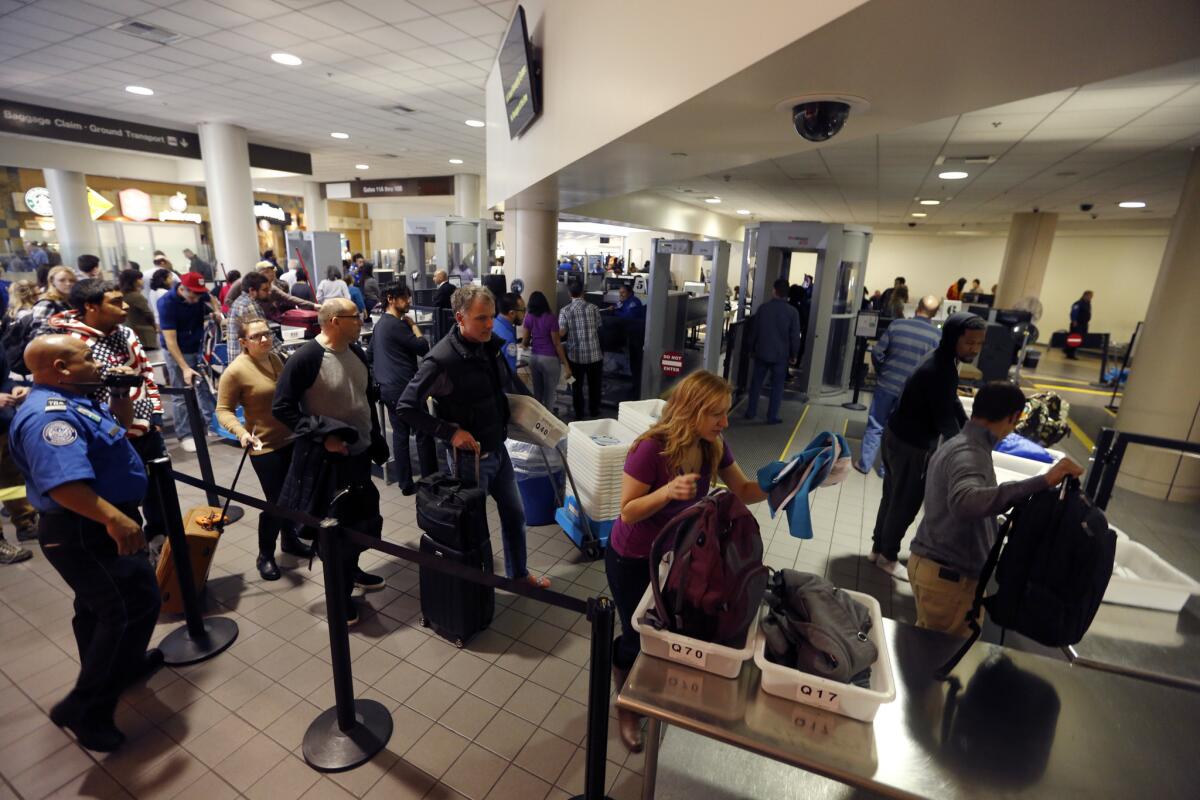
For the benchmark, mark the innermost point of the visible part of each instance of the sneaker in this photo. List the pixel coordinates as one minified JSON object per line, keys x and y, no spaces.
{"x":351,"y":614}
{"x":11,"y":554}
{"x":188,"y":445}
{"x":858,"y":467}
{"x":408,"y":489}
{"x":893,"y":568}
{"x":368,"y":582}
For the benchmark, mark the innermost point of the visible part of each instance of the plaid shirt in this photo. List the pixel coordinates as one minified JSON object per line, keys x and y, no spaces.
{"x":244,"y":307}
{"x":581,"y":321}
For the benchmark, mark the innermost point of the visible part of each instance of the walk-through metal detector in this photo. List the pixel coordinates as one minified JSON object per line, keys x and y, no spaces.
{"x":669,"y":312}
{"x":449,"y":243}
{"x":838,"y":277}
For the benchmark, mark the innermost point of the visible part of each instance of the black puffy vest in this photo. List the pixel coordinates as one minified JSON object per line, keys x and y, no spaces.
{"x":479,"y":375}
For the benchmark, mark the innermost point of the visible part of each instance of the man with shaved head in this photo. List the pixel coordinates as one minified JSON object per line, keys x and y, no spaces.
{"x":897,"y":353}
{"x":444,"y":289}
{"x":86,"y":480}
{"x":327,"y":396}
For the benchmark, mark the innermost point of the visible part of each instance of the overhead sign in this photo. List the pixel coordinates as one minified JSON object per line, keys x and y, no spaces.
{"x":390,"y":187}
{"x":98,"y":204}
{"x":672,"y":363}
{"x":73,"y":126}
{"x":135,"y":204}
{"x":270,"y":211}
{"x":179,"y":212}
{"x":678,"y":247}
{"x":37,"y":200}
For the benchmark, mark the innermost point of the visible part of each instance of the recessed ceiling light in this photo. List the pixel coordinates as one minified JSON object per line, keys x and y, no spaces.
{"x":287,"y":59}
{"x":713,"y":200}
{"x":456,"y":161}
{"x":1132,"y":204}
{"x":476,"y":123}
{"x":362,"y":166}
{"x":919,"y":214}
{"x":743,"y":211}
{"x":340,"y":135}
{"x":931,"y":202}
{"x":952,"y":175}
{"x":142,"y":90}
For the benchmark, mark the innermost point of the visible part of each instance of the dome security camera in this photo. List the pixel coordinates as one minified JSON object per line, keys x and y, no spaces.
{"x":820,"y":120}
{"x":1086,"y":207}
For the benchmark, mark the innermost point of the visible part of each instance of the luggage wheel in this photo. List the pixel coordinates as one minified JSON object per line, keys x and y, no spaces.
{"x":592,"y":552}
{"x":424,"y":622}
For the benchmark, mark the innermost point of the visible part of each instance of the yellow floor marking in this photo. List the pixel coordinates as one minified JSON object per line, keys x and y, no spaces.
{"x":1081,"y":436}
{"x":1056,"y":379}
{"x":1110,"y":411}
{"x":795,"y":430}
{"x":1103,"y":392}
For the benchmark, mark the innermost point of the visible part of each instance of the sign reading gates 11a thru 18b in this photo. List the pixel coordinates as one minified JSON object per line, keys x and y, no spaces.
{"x":520,"y":77}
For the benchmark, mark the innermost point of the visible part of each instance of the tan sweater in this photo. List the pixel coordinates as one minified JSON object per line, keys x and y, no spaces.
{"x":252,"y":386}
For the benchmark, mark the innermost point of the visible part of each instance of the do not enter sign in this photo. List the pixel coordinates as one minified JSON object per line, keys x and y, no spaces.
{"x":1074,"y":340}
{"x":672,"y":363}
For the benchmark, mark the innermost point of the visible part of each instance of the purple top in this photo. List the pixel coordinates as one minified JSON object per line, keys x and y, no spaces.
{"x":540,"y":327}
{"x":647,"y":464}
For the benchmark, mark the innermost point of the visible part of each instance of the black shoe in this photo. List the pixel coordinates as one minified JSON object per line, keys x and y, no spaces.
{"x":100,"y":737}
{"x":408,"y":489}
{"x":267,"y":568}
{"x":368,"y":582}
{"x":293,"y":545}
{"x":351,"y":614}
{"x":152,"y":662}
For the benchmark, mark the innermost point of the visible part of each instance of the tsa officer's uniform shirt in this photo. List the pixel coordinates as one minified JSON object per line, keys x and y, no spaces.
{"x":631,"y":308}
{"x":57,"y":438}
{"x":503,"y":328}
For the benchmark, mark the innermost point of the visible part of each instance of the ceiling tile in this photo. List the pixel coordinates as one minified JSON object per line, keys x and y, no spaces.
{"x":477,"y":21}
{"x":443,"y":6}
{"x":211,"y":13}
{"x":389,"y":10}
{"x":433,"y":31}
{"x":237,"y":42}
{"x":270,"y":33}
{"x":129,"y":8}
{"x":391,"y":38}
{"x":470,"y":50}
{"x":431,"y":56}
{"x":178,"y":22}
{"x":82,"y":11}
{"x":258,"y":9}
{"x":303,"y":25}
{"x":343,"y":16}
{"x":23,"y":28}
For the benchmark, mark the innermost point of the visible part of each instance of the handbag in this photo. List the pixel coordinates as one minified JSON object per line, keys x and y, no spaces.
{"x":815,"y":627}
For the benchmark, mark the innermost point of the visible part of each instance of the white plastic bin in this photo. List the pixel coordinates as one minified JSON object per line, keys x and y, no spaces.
{"x":706,"y":656}
{"x":536,"y":421}
{"x":640,"y":415}
{"x":840,"y":698}
{"x":1144,"y":579}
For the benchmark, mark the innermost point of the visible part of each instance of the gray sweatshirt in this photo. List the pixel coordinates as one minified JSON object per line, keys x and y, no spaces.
{"x":962,"y":501}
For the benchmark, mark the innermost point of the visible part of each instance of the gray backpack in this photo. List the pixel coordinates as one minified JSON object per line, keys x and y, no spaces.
{"x":815,"y":627}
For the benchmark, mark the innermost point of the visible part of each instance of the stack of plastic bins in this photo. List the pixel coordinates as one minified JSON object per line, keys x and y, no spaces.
{"x":596,"y":453}
{"x":640,"y":415}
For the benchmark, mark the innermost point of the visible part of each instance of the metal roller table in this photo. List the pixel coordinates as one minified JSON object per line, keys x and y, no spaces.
{"x":1008,"y":724}
{"x":1154,"y":645}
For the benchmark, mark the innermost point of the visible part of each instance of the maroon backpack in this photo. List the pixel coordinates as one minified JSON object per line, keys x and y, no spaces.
{"x":716,"y":580}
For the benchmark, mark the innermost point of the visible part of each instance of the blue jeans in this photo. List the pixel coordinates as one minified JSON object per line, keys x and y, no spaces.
{"x":208,"y":403}
{"x":883,"y":403}
{"x":496,"y":477}
{"x":778,"y":372}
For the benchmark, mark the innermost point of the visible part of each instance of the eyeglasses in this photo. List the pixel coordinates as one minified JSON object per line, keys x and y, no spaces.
{"x":258,"y":337}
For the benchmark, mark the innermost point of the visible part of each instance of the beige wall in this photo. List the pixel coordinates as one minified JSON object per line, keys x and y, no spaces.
{"x":387,"y":218}
{"x":1120,"y":269}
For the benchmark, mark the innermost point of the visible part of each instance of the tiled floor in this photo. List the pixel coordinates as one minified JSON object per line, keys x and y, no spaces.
{"x":503,"y":718}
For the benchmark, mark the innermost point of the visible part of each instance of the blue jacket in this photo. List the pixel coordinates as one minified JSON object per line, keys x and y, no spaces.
{"x":776,"y":333}
{"x":505,"y":330}
{"x":824,"y":462}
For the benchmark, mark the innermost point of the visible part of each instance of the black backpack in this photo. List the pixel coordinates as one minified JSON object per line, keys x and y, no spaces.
{"x":16,"y":334}
{"x":1051,"y":574}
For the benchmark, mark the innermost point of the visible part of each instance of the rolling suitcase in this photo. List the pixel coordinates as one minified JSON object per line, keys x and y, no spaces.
{"x":202,"y":546}
{"x":453,"y":519}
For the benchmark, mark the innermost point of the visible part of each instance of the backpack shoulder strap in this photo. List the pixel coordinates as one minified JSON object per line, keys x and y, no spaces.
{"x":989,"y":567}
{"x":665,"y":539}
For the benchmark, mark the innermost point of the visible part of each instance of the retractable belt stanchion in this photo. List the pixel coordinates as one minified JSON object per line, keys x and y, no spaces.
{"x":352,"y":731}
{"x":196,"y":417}
{"x":600,"y":612}
{"x":856,"y":371}
{"x":200,"y":638}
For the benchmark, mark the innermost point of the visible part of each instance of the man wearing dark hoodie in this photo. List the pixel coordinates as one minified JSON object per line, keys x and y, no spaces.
{"x":929,"y":410}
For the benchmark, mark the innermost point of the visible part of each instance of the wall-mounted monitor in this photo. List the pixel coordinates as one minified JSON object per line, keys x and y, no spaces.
{"x":520,"y":76}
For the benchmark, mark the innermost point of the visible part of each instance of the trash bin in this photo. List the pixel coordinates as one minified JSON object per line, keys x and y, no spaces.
{"x":539,"y":485}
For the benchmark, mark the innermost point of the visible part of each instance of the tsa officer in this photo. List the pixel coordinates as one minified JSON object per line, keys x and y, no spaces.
{"x":86,"y":480}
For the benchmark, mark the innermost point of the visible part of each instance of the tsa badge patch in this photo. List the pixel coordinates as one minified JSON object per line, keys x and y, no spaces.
{"x":59,"y":433}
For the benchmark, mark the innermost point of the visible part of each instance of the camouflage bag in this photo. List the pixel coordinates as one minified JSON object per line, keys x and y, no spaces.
{"x":1045,"y":419}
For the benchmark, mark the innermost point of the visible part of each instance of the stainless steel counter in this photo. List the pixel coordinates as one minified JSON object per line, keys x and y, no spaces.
{"x":1009,"y":724}
{"x":1153,"y":645}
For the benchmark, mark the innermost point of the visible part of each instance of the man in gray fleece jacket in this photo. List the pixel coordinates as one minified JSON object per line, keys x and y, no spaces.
{"x":961,"y":503}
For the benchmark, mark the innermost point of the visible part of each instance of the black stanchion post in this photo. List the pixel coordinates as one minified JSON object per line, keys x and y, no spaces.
{"x":600,"y":612}
{"x":199,"y":428}
{"x":856,"y":370}
{"x":353,"y":731}
{"x":1100,"y":459}
{"x":199,"y":639}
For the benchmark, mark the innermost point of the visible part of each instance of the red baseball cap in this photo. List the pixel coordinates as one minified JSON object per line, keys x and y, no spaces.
{"x":193,"y":282}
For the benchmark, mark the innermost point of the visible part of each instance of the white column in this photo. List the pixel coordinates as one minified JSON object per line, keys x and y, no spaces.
{"x":1163,"y":394}
{"x":226,"y":157}
{"x":72,"y":217}
{"x":532,"y":250}
{"x":316,"y":215}
{"x":1026,"y":254}
{"x":466,"y":196}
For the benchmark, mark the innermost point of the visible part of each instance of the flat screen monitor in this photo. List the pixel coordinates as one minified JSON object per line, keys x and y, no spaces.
{"x":520,"y":77}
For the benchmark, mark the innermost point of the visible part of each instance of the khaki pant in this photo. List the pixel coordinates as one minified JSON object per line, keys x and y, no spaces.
{"x":942,"y":604}
{"x":21,"y":513}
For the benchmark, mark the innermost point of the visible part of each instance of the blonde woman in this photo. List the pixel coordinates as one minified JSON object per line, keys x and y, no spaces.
{"x":668,"y":468}
{"x":249,"y":382}
{"x":59,"y":281}
{"x":22,"y":296}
